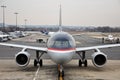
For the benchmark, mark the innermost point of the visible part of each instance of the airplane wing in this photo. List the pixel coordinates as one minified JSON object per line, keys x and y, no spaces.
{"x":96,"y":47}
{"x":24,"y":46}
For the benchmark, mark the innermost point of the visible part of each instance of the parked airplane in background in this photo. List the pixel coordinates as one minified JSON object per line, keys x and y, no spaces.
{"x":110,"y":39}
{"x":61,"y":47}
{"x":46,"y":32}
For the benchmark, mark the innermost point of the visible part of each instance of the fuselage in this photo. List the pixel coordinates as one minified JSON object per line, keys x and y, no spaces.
{"x":61,"y":47}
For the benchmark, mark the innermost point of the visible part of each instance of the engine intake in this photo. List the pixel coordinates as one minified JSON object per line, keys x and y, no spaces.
{"x":99,"y":59}
{"x":22,"y":58}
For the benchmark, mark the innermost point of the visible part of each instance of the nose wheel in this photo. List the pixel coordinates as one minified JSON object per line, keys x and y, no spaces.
{"x":60,"y":72}
{"x":61,"y":75}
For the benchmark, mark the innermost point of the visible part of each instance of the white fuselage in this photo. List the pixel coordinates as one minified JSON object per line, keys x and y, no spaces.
{"x":63,"y":55}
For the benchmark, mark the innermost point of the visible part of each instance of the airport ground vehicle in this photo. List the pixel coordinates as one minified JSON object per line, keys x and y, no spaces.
{"x":110,"y":39}
{"x":4,"y":38}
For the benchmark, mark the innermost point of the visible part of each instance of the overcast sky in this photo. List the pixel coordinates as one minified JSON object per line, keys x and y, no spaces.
{"x":74,"y":12}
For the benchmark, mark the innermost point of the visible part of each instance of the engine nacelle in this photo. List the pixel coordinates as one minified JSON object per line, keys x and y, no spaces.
{"x":99,"y":59}
{"x":22,"y":58}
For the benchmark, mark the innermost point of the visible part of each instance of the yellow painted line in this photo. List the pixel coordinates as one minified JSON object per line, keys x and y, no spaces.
{"x":58,"y":67}
{"x":61,"y":78}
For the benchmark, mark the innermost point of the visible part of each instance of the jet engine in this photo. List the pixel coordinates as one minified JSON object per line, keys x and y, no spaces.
{"x":22,"y":58}
{"x":99,"y":59}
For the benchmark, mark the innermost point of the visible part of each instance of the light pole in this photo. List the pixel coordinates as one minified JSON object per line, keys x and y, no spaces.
{"x":3,"y":17}
{"x":25,"y":23}
{"x":16,"y":18}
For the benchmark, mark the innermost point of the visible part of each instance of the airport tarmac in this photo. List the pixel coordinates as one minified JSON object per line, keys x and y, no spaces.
{"x":10,"y":71}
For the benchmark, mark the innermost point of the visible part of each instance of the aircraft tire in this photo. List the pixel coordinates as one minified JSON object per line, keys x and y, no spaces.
{"x":102,"y":40}
{"x":117,"y":41}
{"x":85,"y":63}
{"x":80,"y":63}
{"x":35,"y":63}
{"x":41,"y":63}
{"x":61,"y":74}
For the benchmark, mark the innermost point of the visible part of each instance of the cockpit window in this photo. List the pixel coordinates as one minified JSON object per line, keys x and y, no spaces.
{"x":61,"y":41}
{"x":61,"y":44}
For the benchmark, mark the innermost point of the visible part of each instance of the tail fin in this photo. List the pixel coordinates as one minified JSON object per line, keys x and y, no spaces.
{"x":60,"y":19}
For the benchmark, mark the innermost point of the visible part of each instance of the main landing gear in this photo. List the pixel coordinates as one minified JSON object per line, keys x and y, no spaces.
{"x":38,"y":60}
{"x":60,"y":72}
{"x":82,"y":60}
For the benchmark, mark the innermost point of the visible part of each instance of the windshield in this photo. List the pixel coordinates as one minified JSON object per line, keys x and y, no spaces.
{"x":61,"y":41}
{"x":61,"y":44}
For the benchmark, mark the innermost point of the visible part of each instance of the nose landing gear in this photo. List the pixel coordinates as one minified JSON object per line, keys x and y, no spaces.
{"x":60,"y":72}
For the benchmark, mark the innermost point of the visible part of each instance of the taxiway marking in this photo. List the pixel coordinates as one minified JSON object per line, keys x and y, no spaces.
{"x":36,"y":73}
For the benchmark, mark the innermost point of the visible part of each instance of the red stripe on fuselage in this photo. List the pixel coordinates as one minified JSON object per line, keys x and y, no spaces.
{"x":61,"y":49}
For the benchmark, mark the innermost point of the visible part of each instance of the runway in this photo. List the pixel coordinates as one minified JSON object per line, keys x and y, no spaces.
{"x":10,"y":71}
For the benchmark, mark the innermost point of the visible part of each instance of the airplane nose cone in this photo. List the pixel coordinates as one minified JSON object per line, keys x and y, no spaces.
{"x":61,"y":58}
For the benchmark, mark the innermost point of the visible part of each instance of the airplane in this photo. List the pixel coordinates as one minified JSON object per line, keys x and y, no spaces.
{"x":110,"y":38}
{"x":45,"y":32}
{"x":61,"y":47}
